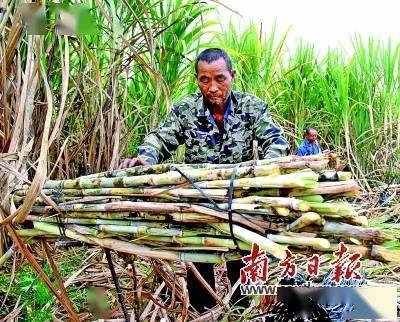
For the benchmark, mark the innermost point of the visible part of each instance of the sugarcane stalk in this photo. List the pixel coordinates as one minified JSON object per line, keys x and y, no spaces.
{"x":353,"y":241}
{"x":311,"y":198}
{"x":294,"y":158}
{"x":203,"y":241}
{"x":40,"y":201}
{"x":145,"y":230}
{"x":358,"y":221}
{"x":376,"y":252}
{"x":298,"y":234}
{"x":329,"y":208}
{"x":301,"y":179}
{"x":291,"y":203}
{"x":192,"y":217}
{"x":24,"y":233}
{"x":315,"y":243}
{"x":92,"y":199}
{"x":129,"y":248}
{"x":122,"y":206}
{"x":347,"y":194}
{"x":70,"y":200}
{"x":101,"y":215}
{"x":115,"y":215}
{"x":284,"y":212}
{"x":217,"y":194}
{"x":272,"y":192}
{"x":346,"y":210}
{"x":386,"y":255}
{"x":342,"y":209}
{"x":95,"y":221}
{"x":304,"y":220}
{"x":84,"y":230}
{"x":324,"y":188}
{"x":135,"y":171}
{"x":7,"y":255}
{"x":192,"y":248}
{"x":250,"y":237}
{"x":363,"y":250}
{"x":90,"y":230}
{"x":375,"y":235}
{"x":297,"y":165}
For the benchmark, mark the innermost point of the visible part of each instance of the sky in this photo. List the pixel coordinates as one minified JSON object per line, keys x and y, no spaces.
{"x":322,"y":22}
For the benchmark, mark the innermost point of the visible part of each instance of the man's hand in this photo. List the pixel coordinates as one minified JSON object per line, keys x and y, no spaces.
{"x":128,"y":163}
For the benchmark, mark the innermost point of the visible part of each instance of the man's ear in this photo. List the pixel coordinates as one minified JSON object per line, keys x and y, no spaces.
{"x":233,"y":73}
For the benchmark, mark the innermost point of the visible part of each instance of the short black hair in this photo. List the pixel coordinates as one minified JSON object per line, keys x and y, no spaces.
{"x":308,"y":130}
{"x":212,"y":54}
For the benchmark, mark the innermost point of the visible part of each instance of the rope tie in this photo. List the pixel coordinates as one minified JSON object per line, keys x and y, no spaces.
{"x":57,"y":195}
{"x":230,"y":197}
{"x":214,"y":204}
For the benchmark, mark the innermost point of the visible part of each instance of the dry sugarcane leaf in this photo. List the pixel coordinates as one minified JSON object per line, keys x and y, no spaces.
{"x":41,"y":171}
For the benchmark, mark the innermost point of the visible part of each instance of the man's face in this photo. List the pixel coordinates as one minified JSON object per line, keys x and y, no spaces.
{"x":312,"y":136}
{"x":214,"y":80}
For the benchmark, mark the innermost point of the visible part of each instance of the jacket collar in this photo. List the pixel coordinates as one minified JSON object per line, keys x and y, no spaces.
{"x":307,"y":143}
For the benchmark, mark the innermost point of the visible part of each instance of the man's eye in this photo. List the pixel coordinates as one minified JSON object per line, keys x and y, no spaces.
{"x":221,"y":79}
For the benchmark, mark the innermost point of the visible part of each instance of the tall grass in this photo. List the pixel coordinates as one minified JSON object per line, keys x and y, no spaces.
{"x":69,"y":101}
{"x":353,"y":100}
{"x":178,"y":27}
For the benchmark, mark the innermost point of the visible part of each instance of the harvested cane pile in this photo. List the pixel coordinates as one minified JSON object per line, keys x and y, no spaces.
{"x":205,"y":212}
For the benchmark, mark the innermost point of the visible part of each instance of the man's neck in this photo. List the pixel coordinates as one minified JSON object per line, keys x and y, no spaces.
{"x":218,"y":114}
{"x":218,"y":111}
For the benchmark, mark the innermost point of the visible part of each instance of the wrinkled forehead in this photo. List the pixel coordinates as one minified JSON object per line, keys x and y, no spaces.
{"x":213,"y":68}
{"x":313,"y":132}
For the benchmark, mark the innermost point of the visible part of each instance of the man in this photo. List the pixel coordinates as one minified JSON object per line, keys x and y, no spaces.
{"x":217,"y":125}
{"x":309,"y":146}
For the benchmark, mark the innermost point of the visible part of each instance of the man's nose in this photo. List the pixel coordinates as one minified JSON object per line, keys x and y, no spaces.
{"x":213,"y":87}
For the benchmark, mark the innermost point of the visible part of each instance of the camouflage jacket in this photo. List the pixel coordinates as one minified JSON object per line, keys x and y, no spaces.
{"x":191,"y":123}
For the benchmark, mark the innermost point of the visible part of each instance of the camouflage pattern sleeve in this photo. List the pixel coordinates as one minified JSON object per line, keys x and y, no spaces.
{"x":271,"y":142}
{"x":159,"y":145}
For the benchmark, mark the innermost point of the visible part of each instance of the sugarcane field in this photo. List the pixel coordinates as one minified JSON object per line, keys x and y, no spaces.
{"x":187,"y":160}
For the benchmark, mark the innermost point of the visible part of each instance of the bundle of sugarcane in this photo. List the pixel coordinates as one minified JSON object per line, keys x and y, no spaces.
{"x":182,"y":212}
